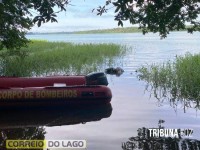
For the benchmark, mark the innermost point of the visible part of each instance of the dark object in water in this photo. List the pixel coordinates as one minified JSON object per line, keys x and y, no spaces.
{"x":114,"y":71}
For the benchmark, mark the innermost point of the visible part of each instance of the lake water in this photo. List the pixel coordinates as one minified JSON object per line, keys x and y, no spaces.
{"x":132,"y":107}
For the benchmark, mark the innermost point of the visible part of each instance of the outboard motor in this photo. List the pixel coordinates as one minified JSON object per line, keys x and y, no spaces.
{"x":98,"y":78}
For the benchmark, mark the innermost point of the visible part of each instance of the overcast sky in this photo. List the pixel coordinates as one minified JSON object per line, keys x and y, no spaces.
{"x":79,"y":17}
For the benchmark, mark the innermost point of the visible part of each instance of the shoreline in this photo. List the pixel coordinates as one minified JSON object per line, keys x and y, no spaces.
{"x":99,"y":31}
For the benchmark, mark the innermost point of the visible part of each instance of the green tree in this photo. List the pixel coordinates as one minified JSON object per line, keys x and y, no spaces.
{"x":163,"y":16}
{"x":18,"y":16}
{"x":160,"y":16}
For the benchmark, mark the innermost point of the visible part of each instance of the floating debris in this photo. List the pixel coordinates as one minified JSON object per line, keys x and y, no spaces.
{"x":114,"y":71}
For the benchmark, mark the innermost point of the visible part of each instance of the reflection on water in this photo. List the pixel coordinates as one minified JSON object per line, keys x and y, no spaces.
{"x":53,"y":116}
{"x":29,"y":123}
{"x":144,"y":142}
{"x":27,"y":133}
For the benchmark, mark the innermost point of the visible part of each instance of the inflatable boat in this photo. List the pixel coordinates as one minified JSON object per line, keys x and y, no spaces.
{"x":53,"y":90}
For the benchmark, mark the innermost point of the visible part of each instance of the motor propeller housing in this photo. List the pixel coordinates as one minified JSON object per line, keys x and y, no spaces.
{"x":98,"y":78}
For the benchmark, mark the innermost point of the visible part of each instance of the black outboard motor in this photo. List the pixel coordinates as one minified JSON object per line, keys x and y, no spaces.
{"x":98,"y":78}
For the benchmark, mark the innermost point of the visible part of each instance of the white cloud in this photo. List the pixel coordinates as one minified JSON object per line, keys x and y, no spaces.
{"x":77,"y":24}
{"x":79,"y":17}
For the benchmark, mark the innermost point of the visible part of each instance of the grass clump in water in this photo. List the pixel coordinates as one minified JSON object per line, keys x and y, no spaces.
{"x":46,"y":58}
{"x":179,"y":81}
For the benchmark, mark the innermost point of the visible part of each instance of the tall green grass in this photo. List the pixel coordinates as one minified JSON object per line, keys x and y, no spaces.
{"x":47,"y":58}
{"x":179,"y":81}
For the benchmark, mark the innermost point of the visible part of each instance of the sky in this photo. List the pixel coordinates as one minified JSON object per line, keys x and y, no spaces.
{"x":79,"y":17}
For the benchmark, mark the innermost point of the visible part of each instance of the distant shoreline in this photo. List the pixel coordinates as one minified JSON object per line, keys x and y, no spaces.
{"x":99,"y":31}
{"x":114,"y":30}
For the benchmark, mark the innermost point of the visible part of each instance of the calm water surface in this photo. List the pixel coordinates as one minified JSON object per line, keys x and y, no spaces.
{"x":132,"y":107}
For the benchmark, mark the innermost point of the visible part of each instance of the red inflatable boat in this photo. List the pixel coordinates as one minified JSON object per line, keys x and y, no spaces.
{"x":38,"y":91}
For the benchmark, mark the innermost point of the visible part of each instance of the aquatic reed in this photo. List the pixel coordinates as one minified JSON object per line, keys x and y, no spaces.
{"x":47,"y":58}
{"x":177,"y":80}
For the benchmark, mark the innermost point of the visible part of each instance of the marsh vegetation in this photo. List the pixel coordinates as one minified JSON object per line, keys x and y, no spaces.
{"x":51,"y":58}
{"x":177,"y":81}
